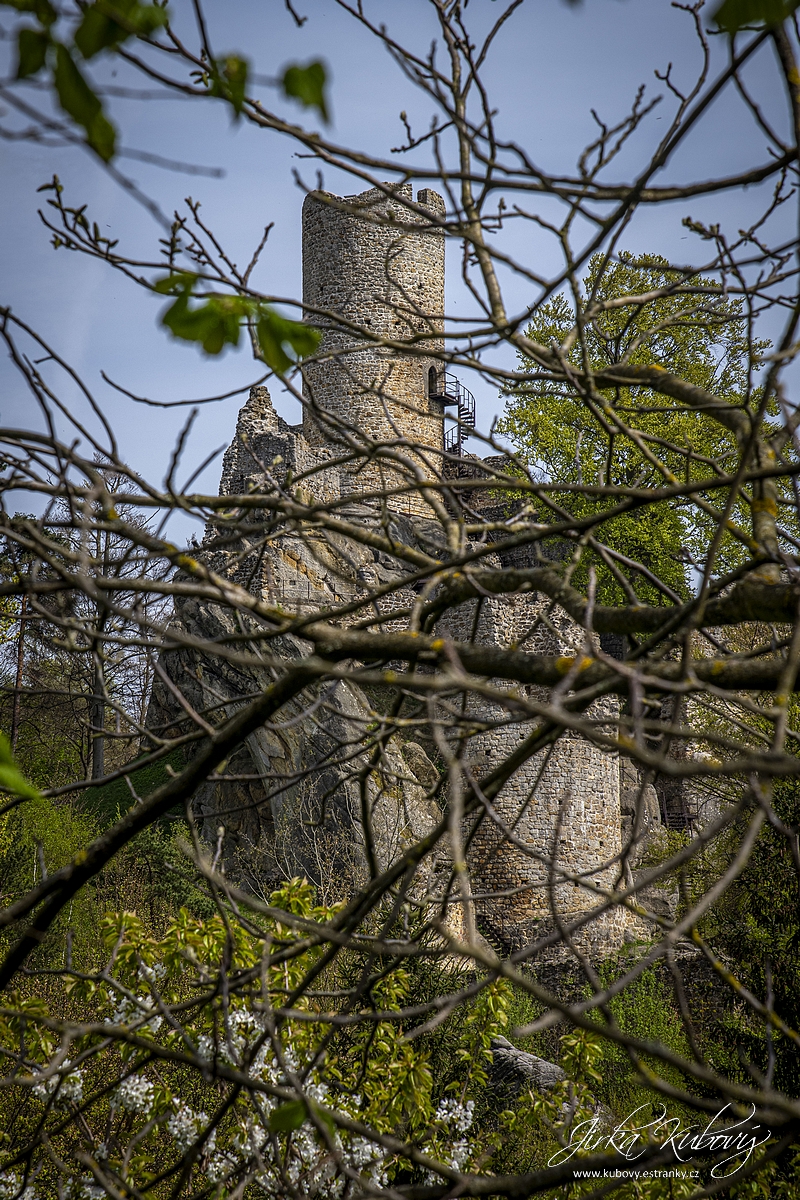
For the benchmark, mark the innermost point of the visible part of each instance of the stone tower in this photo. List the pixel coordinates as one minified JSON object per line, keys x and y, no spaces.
{"x":375,"y":270}
{"x":373,"y":273}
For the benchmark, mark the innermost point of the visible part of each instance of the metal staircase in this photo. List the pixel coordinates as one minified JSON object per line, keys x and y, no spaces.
{"x":451,"y":393}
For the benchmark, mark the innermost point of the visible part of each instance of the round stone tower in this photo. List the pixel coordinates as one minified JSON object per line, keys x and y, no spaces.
{"x":373,"y":273}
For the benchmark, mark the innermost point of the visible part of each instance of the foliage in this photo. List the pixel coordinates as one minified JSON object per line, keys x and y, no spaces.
{"x":641,"y":440}
{"x":205,"y":1040}
{"x":52,"y":744}
{"x":217,"y":321}
{"x":71,"y":683}
{"x":105,"y":25}
{"x":229,"y":80}
{"x":755,"y":929}
{"x":601,"y":1078}
{"x":38,"y":837}
{"x":108,"y":801}
{"x":733,"y":15}
{"x":11,"y":778}
{"x":288,"y":1108}
{"x":154,"y":874}
{"x":647,"y":1009}
{"x":307,"y":85}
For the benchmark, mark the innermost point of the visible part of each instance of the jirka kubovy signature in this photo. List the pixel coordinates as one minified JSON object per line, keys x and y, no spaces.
{"x":738,"y":1140}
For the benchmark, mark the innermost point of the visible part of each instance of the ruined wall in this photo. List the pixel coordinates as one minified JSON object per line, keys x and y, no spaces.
{"x":564,"y":800}
{"x":318,"y":567}
{"x":562,"y":804}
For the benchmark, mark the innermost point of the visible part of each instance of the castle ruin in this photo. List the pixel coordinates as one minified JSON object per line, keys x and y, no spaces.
{"x":373,"y":282}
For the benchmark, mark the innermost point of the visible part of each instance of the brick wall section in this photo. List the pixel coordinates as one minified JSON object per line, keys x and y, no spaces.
{"x":567,"y":799}
{"x":564,"y":802}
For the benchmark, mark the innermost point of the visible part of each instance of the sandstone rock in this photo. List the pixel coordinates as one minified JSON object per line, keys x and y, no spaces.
{"x":514,"y":1071}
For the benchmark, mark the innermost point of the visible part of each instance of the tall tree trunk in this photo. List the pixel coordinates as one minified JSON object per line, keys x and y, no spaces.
{"x":98,"y":721}
{"x":15,"y":710}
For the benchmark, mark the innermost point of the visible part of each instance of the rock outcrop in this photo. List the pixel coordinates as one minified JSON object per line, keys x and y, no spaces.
{"x":514,"y":1071}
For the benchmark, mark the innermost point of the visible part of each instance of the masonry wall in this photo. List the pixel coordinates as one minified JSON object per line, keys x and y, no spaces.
{"x":562,"y":804}
{"x":564,"y":801}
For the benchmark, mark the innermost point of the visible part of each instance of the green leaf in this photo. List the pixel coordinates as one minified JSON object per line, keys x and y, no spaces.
{"x":79,"y":101}
{"x":307,"y":84}
{"x":11,"y":778}
{"x":32,"y":51}
{"x":287,"y":1117}
{"x":293,"y":1113}
{"x":277,"y":334}
{"x":214,"y":323}
{"x":94,"y":33}
{"x":325,"y":1117}
{"x":172,"y":284}
{"x":42,"y":9}
{"x":106,"y":24}
{"x":102,"y":137}
{"x":733,"y":15}
{"x":74,"y":93}
{"x":229,"y":80}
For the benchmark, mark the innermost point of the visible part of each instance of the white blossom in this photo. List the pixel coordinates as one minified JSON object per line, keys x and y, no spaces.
{"x":71,"y":1086}
{"x":135,"y":1094}
{"x":363,"y":1155}
{"x":184,"y":1125}
{"x":458,"y":1155}
{"x":205,"y":1048}
{"x":452,"y":1113}
{"x":242,"y":1029}
{"x":11,"y":1187}
{"x":317,"y":1091}
{"x":152,"y":974}
{"x":289,"y":1058}
{"x":133,"y":1012}
{"x":91,"y":1190}
{"x":218,"y":1168}
{"x":43,"y":1090}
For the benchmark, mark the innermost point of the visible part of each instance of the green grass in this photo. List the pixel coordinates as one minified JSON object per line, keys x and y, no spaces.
{"x":111,"y":801}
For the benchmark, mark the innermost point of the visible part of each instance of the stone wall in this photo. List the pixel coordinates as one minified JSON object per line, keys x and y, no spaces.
{"x":561,"y":806}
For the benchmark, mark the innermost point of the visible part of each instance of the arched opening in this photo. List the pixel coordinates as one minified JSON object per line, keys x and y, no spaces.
{"x":432,"y":382}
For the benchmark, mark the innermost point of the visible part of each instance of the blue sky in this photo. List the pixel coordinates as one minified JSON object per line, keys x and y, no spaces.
{"x":552,"y":64}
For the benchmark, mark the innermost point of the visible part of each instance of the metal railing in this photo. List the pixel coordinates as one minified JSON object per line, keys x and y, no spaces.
{"x":451,"y":393}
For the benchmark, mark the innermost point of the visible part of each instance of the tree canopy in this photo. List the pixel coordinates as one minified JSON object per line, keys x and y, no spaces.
{"x":639,"y":310}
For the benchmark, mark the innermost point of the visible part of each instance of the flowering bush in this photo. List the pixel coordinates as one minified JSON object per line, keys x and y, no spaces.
{"x":208,"y":1062}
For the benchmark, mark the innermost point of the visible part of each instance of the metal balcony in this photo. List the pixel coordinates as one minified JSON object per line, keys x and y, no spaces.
{"x":450,"y":392}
